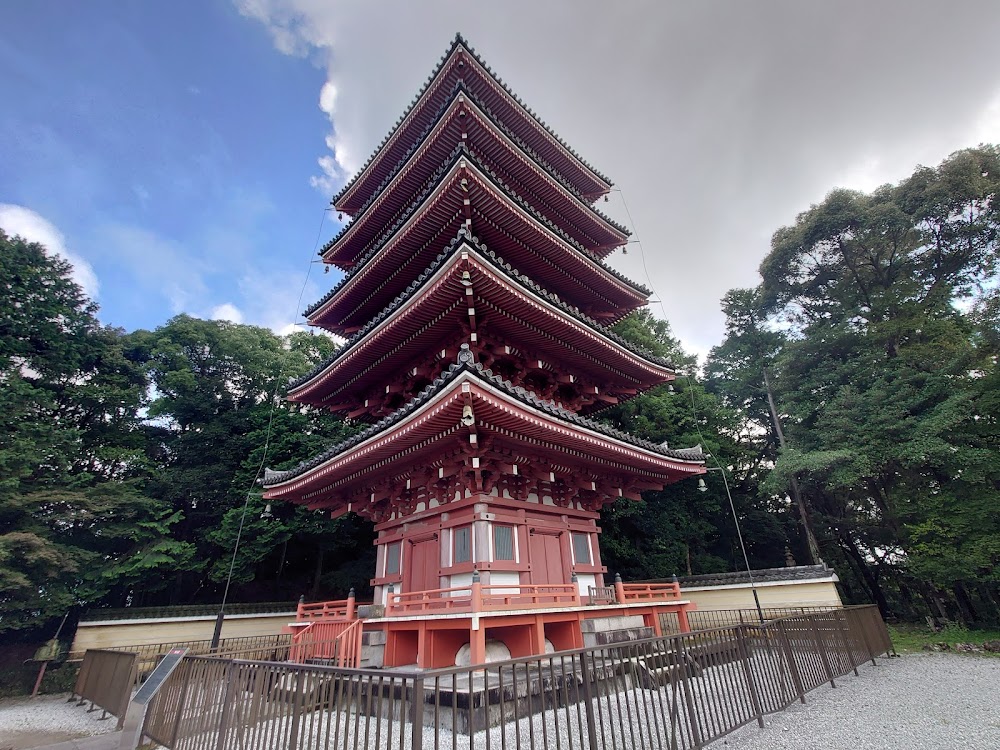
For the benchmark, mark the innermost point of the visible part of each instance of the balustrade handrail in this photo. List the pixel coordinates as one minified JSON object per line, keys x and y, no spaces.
{"x":659,"y":591}
{"x":479,"y":597}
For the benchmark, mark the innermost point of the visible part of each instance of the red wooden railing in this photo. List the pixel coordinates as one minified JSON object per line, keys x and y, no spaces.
{"x":634,"y":592}
{"x":347,"y":645}
{"x":477,"y":597}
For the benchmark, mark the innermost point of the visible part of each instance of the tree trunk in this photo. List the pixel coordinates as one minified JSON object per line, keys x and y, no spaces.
{"x":317,"y":577}
{"x":811,"y":543}
{"x":874,"y":588}
{"x":965,"y":609}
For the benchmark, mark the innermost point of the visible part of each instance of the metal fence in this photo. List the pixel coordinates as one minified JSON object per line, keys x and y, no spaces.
{"x":153,"y":652}
{"x":677,"y":691}
{"x":106,"y":679}
{"x":699,"y":619}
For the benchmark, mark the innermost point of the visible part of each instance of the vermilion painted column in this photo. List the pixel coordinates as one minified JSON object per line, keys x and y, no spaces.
{"x":682,"y":619}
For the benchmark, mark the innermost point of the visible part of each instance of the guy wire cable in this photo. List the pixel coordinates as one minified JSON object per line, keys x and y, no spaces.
{"x":267,"y":438}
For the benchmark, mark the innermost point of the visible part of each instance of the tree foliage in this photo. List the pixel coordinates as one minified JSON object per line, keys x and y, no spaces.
{"x":129,"y":461}
{"x":886,"y":380}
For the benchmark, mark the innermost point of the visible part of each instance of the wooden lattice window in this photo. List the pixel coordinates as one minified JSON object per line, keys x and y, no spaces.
{"x":392,"y":559}
{"x":503,"y":542}
{"x":463,"y":545}
{"x":581,"y":548}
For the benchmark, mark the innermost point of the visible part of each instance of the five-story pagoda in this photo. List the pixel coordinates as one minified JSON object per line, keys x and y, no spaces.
{"x":476,"y":303}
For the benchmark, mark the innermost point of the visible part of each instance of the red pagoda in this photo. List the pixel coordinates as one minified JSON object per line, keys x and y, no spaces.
{"x":476,"y":303}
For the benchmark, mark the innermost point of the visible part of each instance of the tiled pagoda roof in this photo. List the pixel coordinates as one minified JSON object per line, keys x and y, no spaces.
{"x":463,"y":152}
{"x":464,"y":239}
{"x":460,"y":90}
{"x":417,"y":168}
{"x":524,"y":396}
{"x":459,"y":41}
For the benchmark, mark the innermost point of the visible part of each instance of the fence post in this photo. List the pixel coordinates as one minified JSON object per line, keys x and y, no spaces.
{"x":227,"y":704}
{"x":820,"y":650}
{"x":298,"y":701}
{"x":588,"y":699}
{"x":793,"y":667}
{"x":417,"y":714}
{"x":845,"y":637}
{"x":741,"y":638}
{"x":862,"y":621}
{"x":687,"y":672}
{"x":180,"y":702}
{"x":351,"y":603}
{"x":619,"y":589}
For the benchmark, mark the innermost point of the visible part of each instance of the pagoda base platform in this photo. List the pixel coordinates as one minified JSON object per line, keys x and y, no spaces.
{"x":432,"y":641}
{"x":463,"y":700}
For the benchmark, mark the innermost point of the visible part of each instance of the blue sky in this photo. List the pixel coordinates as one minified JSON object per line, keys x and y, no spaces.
{"x":182,"y":153}
{"x":171,"y":145}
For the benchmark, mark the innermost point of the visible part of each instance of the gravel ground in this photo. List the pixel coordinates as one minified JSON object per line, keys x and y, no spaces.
{"x":26,"y":722}
{"x":915,"y":702}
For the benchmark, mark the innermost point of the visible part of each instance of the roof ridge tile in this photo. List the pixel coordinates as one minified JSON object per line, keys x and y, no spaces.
{"x":457,"y":42}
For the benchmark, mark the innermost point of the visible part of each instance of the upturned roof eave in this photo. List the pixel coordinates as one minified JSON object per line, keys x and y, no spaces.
{"x":433,"y":270}
{"x":329,"y":251}
{"x":315,"y":311}
{"x":302,"y":390}
{"x":342,"y":199}
{"x":689,"y":460}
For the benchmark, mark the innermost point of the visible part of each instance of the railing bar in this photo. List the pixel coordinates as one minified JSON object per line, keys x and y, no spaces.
{"x":655,"y":712}
{"x":542,"y":692}
{"x":557,"y":690}
{"x":378,"y":713}
{"x":517,"y":718}
{"x":624,"y":689}
{"x":642,"y":698}
{"x":724,"y":675}
{"x":699,"y":697}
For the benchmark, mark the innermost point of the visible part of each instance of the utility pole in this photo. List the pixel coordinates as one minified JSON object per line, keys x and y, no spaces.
{"x":815,"y":557}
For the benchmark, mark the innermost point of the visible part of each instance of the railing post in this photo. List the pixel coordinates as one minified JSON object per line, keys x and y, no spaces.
{"x":619,"y":589}
{"x":741,"y":638}
{"x":586,"y":677}
{"x":862,"y":620}
{"x":477,"y":592}
{"x":302,"y":605}
{"x":793,"y":667}
{"x":687,"y":672}
{"x":227,"y":705}
{"x":820,"y":650}
{"x":388,"y":598}
{"x":350,"y":604}
{"x":417,"y":714}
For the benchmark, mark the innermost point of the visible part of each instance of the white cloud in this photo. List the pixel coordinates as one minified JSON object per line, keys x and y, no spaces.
{"x":157,"y":265}
{"x":227,"y":311}
{"x":718,"y":127}
{"x":36,"y":228}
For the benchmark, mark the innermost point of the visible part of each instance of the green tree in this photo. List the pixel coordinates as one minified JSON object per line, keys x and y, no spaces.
{"x":886,"y":380}
{"x":76,"y":523}
{"x":681,"y":530}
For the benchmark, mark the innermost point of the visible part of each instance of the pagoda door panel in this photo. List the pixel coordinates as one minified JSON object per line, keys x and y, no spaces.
{"x":424,"y":564}
{"x":546,"y":558}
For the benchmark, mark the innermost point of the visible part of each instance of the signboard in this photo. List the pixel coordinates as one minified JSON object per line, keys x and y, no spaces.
{"x":159,"y":675}
{"x":136,"y":714}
